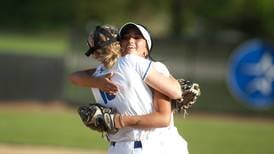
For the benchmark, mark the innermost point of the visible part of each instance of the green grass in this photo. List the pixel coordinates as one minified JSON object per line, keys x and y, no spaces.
{"x":38,"y":44}
{"x":223,"y":136}
{"x":47,"y":128}
{"x":204,"y":135}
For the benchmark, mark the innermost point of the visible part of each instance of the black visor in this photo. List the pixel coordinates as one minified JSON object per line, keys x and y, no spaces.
{"x":99,"y":44}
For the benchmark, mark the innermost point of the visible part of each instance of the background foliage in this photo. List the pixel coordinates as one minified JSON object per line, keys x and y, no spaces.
{"x":195,"y":16}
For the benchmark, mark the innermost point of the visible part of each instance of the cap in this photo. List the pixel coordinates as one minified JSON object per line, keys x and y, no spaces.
{"x":140,"y":28}
{"x":96,"y":42}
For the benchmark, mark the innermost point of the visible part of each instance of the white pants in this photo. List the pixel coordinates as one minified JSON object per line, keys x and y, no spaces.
{"x":173,"y":143}
{"x":149,"y":146}
{"x":169,"y":142}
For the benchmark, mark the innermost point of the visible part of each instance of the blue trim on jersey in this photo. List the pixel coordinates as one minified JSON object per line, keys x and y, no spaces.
{"x":106,"y":96}
{"x":103,"y":96}
{"x":147,"y":70}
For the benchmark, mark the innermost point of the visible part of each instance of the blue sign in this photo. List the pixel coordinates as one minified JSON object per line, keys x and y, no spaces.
{"x":251,"y":74}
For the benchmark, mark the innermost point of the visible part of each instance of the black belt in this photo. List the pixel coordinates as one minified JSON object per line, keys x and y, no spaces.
{"x":137,"y":144}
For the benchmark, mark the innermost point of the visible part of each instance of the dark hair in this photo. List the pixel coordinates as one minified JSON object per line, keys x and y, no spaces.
{"x":142,"y":30}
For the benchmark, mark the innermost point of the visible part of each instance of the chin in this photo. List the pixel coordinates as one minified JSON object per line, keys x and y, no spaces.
{"x":131,"y":51}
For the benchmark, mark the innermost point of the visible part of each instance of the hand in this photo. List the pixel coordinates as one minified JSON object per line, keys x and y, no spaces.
{"x":106,"y":85}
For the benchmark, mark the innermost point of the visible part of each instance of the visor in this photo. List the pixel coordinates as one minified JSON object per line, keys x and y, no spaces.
{"x":140,"y":28}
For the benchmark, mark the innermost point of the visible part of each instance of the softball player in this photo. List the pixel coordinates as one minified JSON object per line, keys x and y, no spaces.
{"x":169,"y":136}
{"x":135,"y":98}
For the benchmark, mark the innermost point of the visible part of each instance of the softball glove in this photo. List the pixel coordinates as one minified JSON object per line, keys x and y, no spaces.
{"x":190,"y":93}
{"x":98,"y":118}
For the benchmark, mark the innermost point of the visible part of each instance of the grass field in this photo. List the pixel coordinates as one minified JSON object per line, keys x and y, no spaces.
{"x":213,"y":135}
{"x":63,"y":128}
{"x":38,"y":44}
{"x":205,"y":134}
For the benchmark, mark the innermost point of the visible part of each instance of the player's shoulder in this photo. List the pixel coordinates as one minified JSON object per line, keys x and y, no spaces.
{"x":100,"y":69}
{"x":160,"y":67}
{"x":159,"y":64}
{"x":133,"y":59}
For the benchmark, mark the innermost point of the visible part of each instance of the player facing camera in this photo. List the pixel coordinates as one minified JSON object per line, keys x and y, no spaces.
{"x":137,"y":32}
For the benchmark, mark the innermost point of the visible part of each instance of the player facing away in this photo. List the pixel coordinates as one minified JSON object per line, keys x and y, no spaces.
{"x":133,"y":100}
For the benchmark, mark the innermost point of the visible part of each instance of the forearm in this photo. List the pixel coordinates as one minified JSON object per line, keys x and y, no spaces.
{"x":153,"y":120}
{"x":168,"y":86}
{"x":160,"y":117}
{"x":84,"y":78}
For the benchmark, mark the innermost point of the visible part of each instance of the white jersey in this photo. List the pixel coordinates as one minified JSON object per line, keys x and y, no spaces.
{"x":170,"y":139}
{"x":134,"y":96}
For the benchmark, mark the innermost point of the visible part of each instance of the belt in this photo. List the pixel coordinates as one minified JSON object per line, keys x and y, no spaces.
{"x":137,"y":144}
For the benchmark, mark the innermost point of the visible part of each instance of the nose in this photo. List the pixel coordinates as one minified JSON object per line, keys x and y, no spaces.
{"x":131,"y":40}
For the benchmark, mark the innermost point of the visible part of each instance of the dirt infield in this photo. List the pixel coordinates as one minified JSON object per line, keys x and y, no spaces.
{"x":34,"y":105}
{"x":12,"y":149}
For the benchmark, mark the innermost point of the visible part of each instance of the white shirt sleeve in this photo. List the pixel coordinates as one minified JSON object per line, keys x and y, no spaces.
{"x":161,"y":68}
{"x":98,"y":70}
{"x":141,"y":65}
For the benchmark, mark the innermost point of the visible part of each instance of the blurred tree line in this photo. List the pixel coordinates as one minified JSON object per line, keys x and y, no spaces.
{"x":195,"y":18}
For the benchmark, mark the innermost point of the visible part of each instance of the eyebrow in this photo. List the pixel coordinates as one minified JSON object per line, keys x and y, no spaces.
{"x":133,"y":35}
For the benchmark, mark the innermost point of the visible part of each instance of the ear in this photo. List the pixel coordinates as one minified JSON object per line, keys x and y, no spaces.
{"x":144,"y":54}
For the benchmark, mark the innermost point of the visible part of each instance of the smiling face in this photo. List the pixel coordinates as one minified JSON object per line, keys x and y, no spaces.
{"x":134,"y":42}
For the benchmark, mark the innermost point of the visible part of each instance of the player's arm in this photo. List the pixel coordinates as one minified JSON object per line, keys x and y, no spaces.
{"x":169,"y":86}
{"x":102,"y":119}
{"x":84,"y":78}
{"x":158,"y":118}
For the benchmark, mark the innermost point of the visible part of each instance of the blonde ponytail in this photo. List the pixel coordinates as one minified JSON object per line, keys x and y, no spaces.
{"x":111,"y":51}
{"x":111,"y":54}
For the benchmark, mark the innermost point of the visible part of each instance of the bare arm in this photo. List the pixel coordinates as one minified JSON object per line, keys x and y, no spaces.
{"x":84,"y":78}
{"x":169,"y":86}
{"x":158,"y":118}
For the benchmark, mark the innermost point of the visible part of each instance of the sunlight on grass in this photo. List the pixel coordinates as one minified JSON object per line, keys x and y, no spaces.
{"x":34,"y":44}
{"x":226,"y":136}
{"x":206,"y":135}
{"x":53,"y":128}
